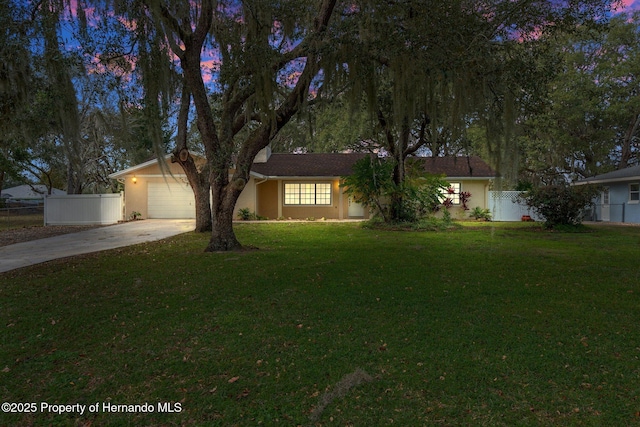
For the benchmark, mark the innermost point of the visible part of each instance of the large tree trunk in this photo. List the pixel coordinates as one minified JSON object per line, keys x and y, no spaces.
{"x":223,"y":200}
{"x":203,"y":210}
{"x":223,"y":238}
{"x":200,"y":186}
{"x":198,"y":179}
{"x":1,"y":186}
{"x":397,"y":199}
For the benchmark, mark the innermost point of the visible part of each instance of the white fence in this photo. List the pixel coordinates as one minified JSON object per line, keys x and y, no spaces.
{"x":83,"y":209}
{"x":505,"y":206}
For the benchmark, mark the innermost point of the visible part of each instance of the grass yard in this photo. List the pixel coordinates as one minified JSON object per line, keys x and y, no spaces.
{"x":10,"y":219}
{"x":490,"y":324}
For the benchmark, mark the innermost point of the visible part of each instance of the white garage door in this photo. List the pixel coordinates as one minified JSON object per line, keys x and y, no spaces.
{"x":170,"y":200}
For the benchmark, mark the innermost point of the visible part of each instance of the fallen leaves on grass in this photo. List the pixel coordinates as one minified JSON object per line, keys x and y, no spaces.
{"x":347,"y":382}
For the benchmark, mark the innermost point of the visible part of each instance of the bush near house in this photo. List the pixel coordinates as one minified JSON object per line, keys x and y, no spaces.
{"x":479,"y":213}
{"x":560,"y":205}
{"x":372,"y":185}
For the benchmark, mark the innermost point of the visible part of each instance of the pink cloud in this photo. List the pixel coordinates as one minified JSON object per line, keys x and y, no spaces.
{"x":628,"y":6}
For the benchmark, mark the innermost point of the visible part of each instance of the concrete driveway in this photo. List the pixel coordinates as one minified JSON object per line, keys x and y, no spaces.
{"x":94,"y":240}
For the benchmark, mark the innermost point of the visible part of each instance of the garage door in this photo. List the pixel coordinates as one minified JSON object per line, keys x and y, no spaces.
{"x":170,"y":200}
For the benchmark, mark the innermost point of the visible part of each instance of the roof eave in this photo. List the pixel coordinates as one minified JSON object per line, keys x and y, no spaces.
{"x":298,"y":176}
{"x":608,"y":180}
{"x":470,"y":178}
{"x":132,"y":169}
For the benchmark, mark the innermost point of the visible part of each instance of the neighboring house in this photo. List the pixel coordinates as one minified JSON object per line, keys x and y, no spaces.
{"x":297,"y":186}
{"x":619,"y":200}
{"x":28,"y":193}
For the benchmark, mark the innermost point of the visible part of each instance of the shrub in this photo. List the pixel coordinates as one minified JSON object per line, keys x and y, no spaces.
{"x":372,"y":185}
{"x":245,"y":214}
{"x":560,"y":205}
{"x":479,"y":213}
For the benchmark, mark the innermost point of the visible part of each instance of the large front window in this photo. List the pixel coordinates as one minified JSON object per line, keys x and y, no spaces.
{"x":634,"y":192}
{"x":312,"y":193}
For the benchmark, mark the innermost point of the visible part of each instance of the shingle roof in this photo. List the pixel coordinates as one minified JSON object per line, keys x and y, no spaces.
{"x":618,"y":175}
{"x":311,"y":164}
{"x":456,"y":166}
{"x":340,"y":164}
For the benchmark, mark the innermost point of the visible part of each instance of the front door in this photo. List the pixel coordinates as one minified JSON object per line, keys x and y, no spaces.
{"x":606,"y":211}
{"x":356,"y":210}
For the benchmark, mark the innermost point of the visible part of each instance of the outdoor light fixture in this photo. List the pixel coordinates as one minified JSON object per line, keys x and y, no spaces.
{"x":134,"y":179}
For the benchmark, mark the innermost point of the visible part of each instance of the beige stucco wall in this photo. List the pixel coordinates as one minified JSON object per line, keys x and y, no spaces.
{"x":267,"y":198}
{"x":302,"y":212}
{"x":135,"y":194}
{"x":247,"y":198}
{"x":270,"y":201}
{"x":479,"y":190}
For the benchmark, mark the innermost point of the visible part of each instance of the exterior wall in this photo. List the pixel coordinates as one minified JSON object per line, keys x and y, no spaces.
{"x":136,"y":194}
{"x":302,"y":212}
{"x":247,"y":198}
{"x":479,"y":196}
{"x":621,"y":209}
{"x":267,"y":199}
{"x":270,"y":201}
{"x":479,"y":190}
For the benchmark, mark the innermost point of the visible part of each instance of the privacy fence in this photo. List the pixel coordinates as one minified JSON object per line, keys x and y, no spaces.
{"x":506,"y":206}
{"x":83,"y":209}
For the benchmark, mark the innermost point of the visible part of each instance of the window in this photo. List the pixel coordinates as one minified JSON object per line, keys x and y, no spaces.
{"x":307,"y":193}
{"x":452,"y":193}
{"x":634,"y":192}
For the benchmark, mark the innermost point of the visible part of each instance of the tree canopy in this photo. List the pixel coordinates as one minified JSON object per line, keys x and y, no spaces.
{"x":589,"y":122}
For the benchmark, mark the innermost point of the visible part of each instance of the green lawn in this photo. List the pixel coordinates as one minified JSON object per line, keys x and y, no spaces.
{"x":14,"y":219}
{"x":490,"y":324}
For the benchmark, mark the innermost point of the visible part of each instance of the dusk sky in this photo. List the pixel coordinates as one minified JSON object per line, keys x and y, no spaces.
{"x":630,"y":5}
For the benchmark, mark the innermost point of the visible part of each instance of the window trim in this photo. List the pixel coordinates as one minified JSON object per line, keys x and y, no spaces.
{"x":635,"y":191}
{"x":315,"y":193}
{"x":455,"y":196}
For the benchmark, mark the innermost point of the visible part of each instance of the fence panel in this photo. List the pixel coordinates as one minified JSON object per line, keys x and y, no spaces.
{"x":505,"y":206}
{"x":83,"y":209}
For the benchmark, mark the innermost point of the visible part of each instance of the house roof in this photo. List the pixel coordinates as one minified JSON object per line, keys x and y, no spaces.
{"x":137,"y":167}
{"x":308,"y":165}
{"x":626,"y":174}
{"x":341,"y":164}
{"x":456,"y":166}
{"x":30,"y":191}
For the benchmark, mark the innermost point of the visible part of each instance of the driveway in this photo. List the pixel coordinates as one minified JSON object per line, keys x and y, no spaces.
{"x":94,"y":240}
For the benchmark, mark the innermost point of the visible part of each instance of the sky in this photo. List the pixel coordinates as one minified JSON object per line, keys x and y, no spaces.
{"x":630,"y":5}
{"x":211,"y":61}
